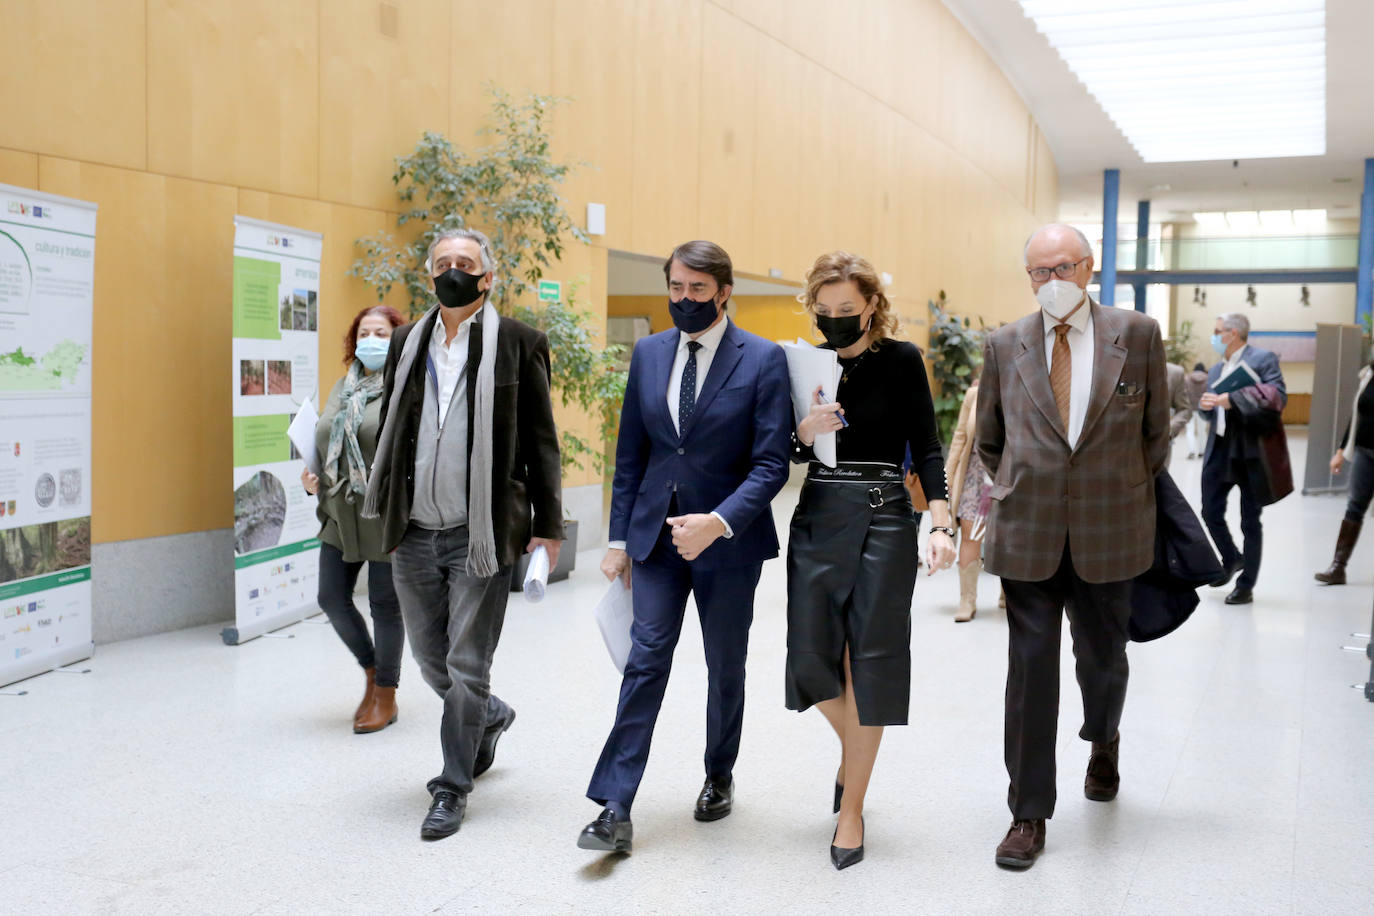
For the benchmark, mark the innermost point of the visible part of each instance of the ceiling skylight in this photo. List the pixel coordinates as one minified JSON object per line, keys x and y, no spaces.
{"x":1194,"y":80}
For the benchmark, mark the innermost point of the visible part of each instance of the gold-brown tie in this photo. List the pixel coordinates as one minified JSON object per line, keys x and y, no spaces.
{"x":1061,"y":372}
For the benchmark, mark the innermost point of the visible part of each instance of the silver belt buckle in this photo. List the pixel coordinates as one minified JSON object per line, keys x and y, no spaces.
{"x":876,"y":493}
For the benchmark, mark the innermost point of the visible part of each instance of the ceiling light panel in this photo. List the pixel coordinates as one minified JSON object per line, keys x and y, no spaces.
{"x":1195,"y":80}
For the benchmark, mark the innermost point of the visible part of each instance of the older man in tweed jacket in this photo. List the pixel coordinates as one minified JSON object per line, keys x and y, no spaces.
{"x":1073,"y":424}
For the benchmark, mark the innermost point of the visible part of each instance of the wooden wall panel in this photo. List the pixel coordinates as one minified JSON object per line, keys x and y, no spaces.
{"x":233,"y":92}
{"x":594,"y":126}
{"x":72,"y":78}
{"x":161,"y":434}
{"x":778,"y":156}
{"x":781,"y":128}
{"x":667,"y":115}
{"x":509,"y":44}
{"x":727,"y":199}
{"x":19,"y":169}
{"x":379,"y":93}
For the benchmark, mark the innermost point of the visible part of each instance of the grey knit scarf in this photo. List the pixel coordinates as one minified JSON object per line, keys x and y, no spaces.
{"x":343,"y":463}
{"x":481,"y":535}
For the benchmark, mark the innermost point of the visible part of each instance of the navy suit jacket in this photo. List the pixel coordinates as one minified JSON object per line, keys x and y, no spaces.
{"x":1266,"y":366}
{"x":731,"y":457}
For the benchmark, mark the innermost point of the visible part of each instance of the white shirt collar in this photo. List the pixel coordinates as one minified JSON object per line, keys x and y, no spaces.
{"x":710,"y":340}
{"x":440,"y":334}
{"x":1078,"y":320}
{"x":1234,"y":358}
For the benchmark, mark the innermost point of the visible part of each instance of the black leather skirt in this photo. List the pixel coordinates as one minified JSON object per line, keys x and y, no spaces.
{"x":851,"y":571}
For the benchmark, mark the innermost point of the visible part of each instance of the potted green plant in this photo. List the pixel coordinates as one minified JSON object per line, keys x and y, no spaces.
{"x":510,"y":189}
{"x":956,"y":353}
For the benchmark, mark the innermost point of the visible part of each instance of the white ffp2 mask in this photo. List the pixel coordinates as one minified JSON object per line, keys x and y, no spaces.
{"x":1059,"y":297}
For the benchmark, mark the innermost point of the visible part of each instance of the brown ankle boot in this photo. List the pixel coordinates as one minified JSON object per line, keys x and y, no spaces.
{"x":368,"y":693}
{"x":380,"y":714}
{"x":968,"y":593}
{"x":1345,"y":545}
{"x":1103,"y":777}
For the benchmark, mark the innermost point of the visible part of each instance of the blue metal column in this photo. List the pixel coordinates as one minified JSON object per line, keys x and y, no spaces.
{"x":1364,"y":281}
{"x":1142,"y":249}
{"x":1111,"y":189}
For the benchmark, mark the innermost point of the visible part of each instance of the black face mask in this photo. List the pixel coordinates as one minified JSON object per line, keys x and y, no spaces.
{"x":840,"y":332}
{"x":692,"y":317}
{"x":457,"y":289}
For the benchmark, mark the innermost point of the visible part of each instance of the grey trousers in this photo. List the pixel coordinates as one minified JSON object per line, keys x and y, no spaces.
{"x":454,"y":622}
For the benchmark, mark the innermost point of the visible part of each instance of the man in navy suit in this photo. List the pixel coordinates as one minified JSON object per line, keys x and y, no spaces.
{"x":703,"y":449}
{"x":1229,"y":440}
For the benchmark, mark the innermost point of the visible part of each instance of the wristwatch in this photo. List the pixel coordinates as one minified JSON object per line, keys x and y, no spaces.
{"x":948,"y":531}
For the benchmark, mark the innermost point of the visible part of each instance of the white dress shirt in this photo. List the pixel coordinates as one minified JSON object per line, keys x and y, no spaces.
{"x":1080,"y":338}
{"x":1232,"y":362}
{"x":710,"y":343}
{"x":450,"y":360}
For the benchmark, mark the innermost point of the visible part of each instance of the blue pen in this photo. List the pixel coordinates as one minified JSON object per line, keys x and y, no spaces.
{"x":826,"y":400}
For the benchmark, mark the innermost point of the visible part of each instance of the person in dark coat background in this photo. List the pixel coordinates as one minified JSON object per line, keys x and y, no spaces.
{"x":1241,"y":442}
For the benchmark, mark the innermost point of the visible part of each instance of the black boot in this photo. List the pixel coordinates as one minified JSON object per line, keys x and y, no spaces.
{"x":1345,"y":544}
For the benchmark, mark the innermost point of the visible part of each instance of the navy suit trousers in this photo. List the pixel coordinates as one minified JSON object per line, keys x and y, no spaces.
{"x":725,"y":604}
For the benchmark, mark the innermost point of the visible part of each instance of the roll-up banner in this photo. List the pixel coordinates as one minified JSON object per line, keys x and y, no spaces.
{"x":275,"y":369}
{"x":47,"y":280}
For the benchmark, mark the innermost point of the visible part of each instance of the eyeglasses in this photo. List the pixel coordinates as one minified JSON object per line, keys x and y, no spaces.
{"x":1062,"y":271}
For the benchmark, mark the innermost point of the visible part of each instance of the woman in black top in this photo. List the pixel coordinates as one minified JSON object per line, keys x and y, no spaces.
{"x":851,"y":556}
{"x":1357,"y":447}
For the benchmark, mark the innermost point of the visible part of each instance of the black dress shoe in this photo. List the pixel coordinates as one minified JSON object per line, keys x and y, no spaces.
{"x":607,"y":833}
{"x":445,"y":816}
{"x":1227,"y":571}
{"x":486,"y":749}
{"x":715,"y":799}
{"x":843,"y":858}
{"x":839,"y":796}
{"x":1240,"y":596}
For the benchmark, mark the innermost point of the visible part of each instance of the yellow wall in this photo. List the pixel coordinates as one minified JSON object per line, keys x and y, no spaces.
{"x":779,"y":128}
{"x":771,"y":317}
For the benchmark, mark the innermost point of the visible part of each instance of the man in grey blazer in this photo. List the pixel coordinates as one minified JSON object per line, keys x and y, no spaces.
{"x":1231,"y":438}
{"x":1073,"y":425}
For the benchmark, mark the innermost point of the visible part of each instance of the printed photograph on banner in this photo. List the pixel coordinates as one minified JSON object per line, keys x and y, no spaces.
{"x":279,"y":376}
{"x":252,"y":377}
{"x":35,"y":550}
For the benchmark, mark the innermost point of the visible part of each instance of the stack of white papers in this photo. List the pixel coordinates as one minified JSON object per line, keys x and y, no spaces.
{"x":810,"y":367}
{"x":536,"y":575}
{"x":615,"y":613}
{"x":301,"y":432}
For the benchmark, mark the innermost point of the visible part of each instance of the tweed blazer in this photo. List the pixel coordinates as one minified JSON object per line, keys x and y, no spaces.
{"x":1098,"y":497}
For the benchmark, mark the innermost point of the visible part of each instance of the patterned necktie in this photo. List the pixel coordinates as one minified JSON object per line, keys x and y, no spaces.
{"x":1061,"y":372}
{"x":687,"y":394}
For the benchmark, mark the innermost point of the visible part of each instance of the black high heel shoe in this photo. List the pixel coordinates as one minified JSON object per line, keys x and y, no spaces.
{"x":843,"y":858}
{"x":839,"y":794}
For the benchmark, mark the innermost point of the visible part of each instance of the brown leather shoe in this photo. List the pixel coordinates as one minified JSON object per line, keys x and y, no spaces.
{"x":1103,"y":779}
{"x":367,"y":694}
{"x":1023,"y":842}
{"x":380,"y":714}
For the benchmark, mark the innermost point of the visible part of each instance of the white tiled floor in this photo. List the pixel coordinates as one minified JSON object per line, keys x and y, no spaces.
{"x":184,"y":776}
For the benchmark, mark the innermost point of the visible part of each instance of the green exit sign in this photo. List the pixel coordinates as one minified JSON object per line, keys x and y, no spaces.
{"x":550,"y":291}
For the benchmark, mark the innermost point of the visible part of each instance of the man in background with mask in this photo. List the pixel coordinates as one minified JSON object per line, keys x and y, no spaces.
{"x":1073,"y":425}
{"x":703,"y":449}
{"x":466,"y":478}
{"x":1233,"y":446}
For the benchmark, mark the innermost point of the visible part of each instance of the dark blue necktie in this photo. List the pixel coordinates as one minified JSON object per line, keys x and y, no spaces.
{"x":687,"y":394}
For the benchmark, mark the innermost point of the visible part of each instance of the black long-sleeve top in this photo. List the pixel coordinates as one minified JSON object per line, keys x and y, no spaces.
{"x":886,"y":399}
{"x":1364,"y":430}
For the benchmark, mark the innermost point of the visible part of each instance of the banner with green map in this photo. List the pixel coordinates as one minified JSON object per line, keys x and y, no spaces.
{"x":47,"y":280}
